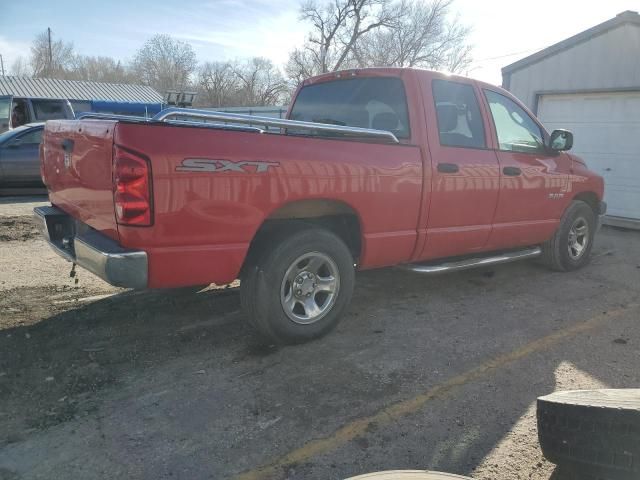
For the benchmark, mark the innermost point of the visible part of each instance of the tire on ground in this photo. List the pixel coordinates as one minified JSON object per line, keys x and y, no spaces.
{"x":260,"y":287}
{"x":592,"y":434}
{"x":555,"y":251}
{"x":408,"y":475}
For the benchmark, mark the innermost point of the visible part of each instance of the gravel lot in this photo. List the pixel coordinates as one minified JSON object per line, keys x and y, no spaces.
{"x":434,"y":373}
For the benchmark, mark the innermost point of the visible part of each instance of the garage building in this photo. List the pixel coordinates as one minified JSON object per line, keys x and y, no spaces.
{"x":590,"y":84}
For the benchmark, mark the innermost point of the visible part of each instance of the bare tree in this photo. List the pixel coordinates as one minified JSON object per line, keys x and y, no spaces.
{"x":301,"y":64}
{"x":165,"y":63}
{"x":55,"y":63}
{"x":254,"y":82}
{"x":20,"y":68}
{"x":261,"y":83}
{"x":368,"y":33}
{"x":217,"y":84}
{"x":336,"y":29}
{"x":99,"y":69}
{"x":422,"y":36}
{"x":459,"y":59}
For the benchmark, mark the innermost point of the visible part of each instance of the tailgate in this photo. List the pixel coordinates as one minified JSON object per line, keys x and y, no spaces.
{"x":77,"y":170}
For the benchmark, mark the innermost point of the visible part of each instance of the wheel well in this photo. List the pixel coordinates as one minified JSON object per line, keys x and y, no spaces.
{"x":335,"y":216}
{"x":591,"y":199}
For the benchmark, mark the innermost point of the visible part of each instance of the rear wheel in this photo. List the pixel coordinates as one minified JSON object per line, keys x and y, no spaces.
{"x":570,"y":246}
{"x":299,"y":287}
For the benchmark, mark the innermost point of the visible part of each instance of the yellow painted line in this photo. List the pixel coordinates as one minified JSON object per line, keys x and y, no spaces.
{"x":394,"y":411}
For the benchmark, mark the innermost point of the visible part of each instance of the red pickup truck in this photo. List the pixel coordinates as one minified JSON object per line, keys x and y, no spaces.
{"x":371,"y":168}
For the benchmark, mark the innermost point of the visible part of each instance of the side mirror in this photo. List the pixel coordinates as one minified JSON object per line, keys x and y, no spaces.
{"x":560,"y":140}
{"x":15,"y":144}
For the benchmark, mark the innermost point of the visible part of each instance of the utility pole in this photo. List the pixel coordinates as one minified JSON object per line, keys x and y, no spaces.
{"x":2,"y":65}
{"x":50,"y":53}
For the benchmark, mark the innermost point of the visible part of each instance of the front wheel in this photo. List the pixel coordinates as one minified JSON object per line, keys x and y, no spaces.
{"x":298,"y":289}
{"x":570,"y":247}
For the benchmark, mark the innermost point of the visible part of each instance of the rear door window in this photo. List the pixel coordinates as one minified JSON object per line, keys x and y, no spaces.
{"x":369,"y":102}
{"x":48,"y":109}
{"x":34,"y":137}
{"x":460,"y":123}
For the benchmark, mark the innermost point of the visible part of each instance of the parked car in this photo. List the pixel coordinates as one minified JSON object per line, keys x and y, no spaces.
{"x":19,"y":156}
{"x":372,"y":168}
{"x":140,"y":109}
{"x":16,"y":111}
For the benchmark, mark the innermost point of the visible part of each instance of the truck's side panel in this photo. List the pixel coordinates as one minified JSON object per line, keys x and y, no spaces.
{"x":204,"y":220}
{"x":531,"y":202}
{"x":462,"y":202}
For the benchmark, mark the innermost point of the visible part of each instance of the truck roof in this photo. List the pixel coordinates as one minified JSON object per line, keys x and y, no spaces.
{"x":389,"y":71}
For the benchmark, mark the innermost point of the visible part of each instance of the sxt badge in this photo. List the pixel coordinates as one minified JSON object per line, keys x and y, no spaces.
{"x":216,"y":166}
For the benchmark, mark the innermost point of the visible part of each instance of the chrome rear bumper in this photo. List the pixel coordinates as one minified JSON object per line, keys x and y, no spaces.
{"x":102,"y":256}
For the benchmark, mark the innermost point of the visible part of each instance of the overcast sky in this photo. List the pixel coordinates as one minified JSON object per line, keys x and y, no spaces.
{"x":503,"y":31}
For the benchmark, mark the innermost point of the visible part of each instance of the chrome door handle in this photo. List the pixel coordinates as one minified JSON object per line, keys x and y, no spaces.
{"x":448,"y":168}
{"x":511,"y":171}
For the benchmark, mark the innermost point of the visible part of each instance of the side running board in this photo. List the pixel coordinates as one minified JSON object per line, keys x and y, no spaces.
{"x":456,"y":265}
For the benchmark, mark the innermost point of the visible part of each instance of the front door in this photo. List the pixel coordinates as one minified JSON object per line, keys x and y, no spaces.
{"x":533,"y":180}
{"x":5,"y":112}
{"x":465,"y":176}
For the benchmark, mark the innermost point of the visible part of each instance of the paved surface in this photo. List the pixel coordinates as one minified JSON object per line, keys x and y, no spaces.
{"x":19,"y":206}
{"x":439,"y":373}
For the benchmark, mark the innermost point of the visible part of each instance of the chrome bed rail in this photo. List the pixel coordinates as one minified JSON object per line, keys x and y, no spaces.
{"x":173,"y":115}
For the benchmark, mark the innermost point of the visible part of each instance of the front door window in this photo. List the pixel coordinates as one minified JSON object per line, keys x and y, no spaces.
{"x":517,"y":132}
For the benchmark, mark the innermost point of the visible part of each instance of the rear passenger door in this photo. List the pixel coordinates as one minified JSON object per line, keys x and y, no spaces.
{"x":465,"y":174}
{"x":533,"y":180}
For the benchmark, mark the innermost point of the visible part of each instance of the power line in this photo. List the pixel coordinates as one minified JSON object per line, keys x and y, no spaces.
{"x":531,"y":50}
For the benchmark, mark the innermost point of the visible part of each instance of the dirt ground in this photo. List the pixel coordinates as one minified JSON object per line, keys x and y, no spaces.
{"x":435,"y":373}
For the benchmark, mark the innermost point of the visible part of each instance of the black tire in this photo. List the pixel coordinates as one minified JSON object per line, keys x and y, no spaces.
{"x":592,"y":434}
{"x":555,"y":251}
{"x":262,"y":283}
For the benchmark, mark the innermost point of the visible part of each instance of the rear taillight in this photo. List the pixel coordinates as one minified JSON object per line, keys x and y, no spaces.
{"x":132,"y":188}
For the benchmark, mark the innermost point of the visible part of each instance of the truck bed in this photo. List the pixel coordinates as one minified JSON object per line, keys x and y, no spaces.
{"x":213,"y":188}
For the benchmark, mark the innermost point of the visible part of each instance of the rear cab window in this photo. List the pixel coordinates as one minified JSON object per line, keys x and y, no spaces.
{"x":379,"y":103}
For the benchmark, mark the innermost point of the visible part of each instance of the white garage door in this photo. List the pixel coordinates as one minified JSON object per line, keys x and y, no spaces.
{"x":606,"y":129}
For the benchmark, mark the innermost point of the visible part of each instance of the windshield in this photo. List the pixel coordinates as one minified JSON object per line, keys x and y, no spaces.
{"x":372,"y":102}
